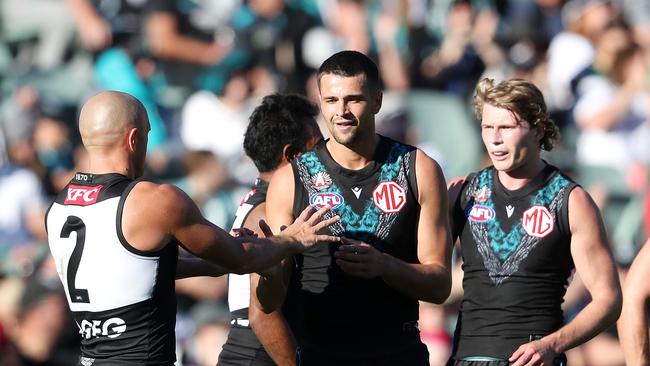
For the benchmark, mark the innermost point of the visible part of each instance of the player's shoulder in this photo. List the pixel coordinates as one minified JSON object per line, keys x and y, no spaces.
{"x":158,"y":196}
{"x":147,"y":188}
{"x":425,"y":165}
{"x":162,"y":206}
{"x":580,"y":199}
{"x":282,"y":176}
{"x":582,"y":210}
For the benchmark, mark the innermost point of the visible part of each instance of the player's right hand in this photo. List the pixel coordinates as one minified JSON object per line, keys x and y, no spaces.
{"x":306,"y":227}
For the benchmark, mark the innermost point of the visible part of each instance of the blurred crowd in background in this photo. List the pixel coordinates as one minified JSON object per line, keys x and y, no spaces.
{"x":201,"y":66}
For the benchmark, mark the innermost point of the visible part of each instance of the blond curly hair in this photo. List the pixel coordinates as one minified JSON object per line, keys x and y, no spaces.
{"x":522,"y":98}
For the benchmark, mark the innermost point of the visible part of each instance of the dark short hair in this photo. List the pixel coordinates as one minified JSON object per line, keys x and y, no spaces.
{"x":351,"y":63}
{"x":522,"y":98}
{"x":279,"y":120}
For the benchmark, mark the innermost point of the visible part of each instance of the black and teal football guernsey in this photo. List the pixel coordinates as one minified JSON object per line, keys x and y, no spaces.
{"x":516,"y":250}
{"x":343,"y":318}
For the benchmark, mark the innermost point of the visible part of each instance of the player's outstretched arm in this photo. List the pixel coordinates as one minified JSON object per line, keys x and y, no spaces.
{"x":595,"y":266}
{"x":154,"y":215}
{"x":633,"y":324}
{"x":189,"y":265}
{"x":429,"y":280}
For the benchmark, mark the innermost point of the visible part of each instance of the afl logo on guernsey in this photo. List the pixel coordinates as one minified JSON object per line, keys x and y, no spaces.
{"x":322,"y":199}
{"x":537,"y":221}
{"x":480,"y":213}
{"x":389,"y":197}
{"x":82,"y":195}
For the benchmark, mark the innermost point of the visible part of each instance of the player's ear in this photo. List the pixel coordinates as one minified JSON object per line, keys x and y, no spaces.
{"x":377,"y":99}
{"x":132,"y":139}
{"x":289,"y":152}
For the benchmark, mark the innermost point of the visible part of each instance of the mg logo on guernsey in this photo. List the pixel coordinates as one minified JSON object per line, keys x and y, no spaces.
{"x":111,"y":328}
{"x":82,"y":195}
{"x":480,"y":213}
{"x":537,"y":221}
{"x":389,"y":197}
{"x":322,"y":199}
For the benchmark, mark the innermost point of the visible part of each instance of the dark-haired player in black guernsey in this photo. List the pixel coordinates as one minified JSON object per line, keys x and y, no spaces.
{"x":523,"y":227}
{"x":358,"y":302}
{"x":115,"y":241}
{"x":280,"y":128}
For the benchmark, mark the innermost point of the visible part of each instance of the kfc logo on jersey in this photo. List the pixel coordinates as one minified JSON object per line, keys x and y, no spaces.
{"x":82,"y":195}
{"x":537,"y":221}
{"x":389,"y":197}
{"x":111,"y":328}
{"x":248,"y":195}
{"x":321,"y":181}
{"x":480,"y":213}
{"x":322,"y":199}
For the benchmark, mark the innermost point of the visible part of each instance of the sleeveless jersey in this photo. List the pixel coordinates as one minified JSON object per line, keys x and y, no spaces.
{"x":341,"y":315}
{"x":242,"y":346}
{"x":122,"y":299}
{"x":516,"y":261}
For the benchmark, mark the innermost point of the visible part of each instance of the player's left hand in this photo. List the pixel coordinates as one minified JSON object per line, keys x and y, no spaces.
{"x":535,"y":353}
{"x":359,"y":259}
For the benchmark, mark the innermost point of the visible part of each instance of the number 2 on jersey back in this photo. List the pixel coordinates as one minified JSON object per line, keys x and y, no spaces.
{"x":73,"y":223}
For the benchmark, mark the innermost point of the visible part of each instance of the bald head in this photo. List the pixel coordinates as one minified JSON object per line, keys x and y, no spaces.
{"x":108,"y":116}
